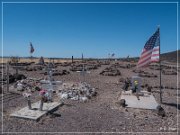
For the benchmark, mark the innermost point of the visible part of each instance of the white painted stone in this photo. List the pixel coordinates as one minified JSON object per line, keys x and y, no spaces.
{"x":64,"y":96}
{"x":19,"y":87}
{"x":84,"y":99}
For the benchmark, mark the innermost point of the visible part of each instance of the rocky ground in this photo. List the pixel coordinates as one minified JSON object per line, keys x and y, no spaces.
{"x":102,"y":113}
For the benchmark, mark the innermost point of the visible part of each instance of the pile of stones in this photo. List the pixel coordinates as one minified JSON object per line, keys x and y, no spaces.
{"x":104,"y":62}
{"x":76,"y":91}
{"x":12,"y":77}
{"x":79,"y":67}
{"x":51,"y":65}
{"x":92,"y":67}
{"x":169,"y":72}
{"x":20,"y":64}
{"x":3,"y":66}
{"x":34,"y":68}
{"x":144,"y":74}
{"x":65,"y":64}
{"x":166,"y":87}
{"x":157,"y":67}
{"x":110,"y":71}
{"x":27,"y":85}
{"x":125,"y":66}
{"x":58,"y":72}
{"x":75,"y":68}
{"x":154,"y":67}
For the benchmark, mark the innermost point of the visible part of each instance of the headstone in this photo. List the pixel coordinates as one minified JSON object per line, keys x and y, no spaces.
{"x":51,"y":65}
{"x":136,"y":83}
{"x":41,"y":61}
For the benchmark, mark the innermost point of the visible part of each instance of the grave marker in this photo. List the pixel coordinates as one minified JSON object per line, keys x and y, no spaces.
{"x":136,"y":83}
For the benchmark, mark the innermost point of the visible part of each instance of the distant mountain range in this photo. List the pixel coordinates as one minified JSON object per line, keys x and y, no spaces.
{"x":171,"y":56}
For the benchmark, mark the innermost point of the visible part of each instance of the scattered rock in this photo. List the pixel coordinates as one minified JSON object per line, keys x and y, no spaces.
{"x":58,"y":72}
{"x":27,"y":85}
{"x":76,"y":91}
{"x":122,"y":102}
{"x":160,"y":111}
{"x":169,"y":72}
{"x":149,"y":88}
{"x":144,"y":74}
{"x":19,"y":76}
{"x":34,"y":68}
{"x":87,"y":66}
{"x":110,"y":71}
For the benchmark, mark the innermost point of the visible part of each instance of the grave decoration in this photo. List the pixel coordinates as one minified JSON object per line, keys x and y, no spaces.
{"x":27,"y":96}
{"x":136,"y":84}
{"x":127,"y":83}
{"x":76,"y":91}
{"x":136,"y":97}
{"x":36,"y":110}
{"x":49,"y":84}
{"x":28,"y":85}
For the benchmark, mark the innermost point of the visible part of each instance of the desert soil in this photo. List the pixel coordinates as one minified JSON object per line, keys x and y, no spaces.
{"x":101,"y":113}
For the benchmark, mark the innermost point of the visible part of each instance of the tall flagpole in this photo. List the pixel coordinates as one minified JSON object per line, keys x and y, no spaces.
{"x":160,"y":67}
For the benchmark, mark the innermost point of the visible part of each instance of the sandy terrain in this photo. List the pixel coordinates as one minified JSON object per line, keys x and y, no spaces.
{"x":36,"y":60}
{"x":101,"y":113}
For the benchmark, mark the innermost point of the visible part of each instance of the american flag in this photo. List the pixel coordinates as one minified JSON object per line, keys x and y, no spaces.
{"x":31,"y":48}
{"x":150,"y":52}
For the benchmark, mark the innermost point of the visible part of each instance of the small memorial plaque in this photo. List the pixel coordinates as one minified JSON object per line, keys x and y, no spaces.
{"x":136,"y":83}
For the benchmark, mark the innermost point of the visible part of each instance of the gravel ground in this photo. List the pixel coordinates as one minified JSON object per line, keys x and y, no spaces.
{"x":101,"y":113}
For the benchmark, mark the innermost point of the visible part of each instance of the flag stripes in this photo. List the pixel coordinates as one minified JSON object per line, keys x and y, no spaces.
{"x":150,"y":52}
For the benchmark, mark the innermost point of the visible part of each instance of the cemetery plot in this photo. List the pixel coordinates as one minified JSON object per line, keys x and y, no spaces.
{"x":169,"y":72}
{"x":79,"y":67}
{"x":124,"y":65}
{"x":76,"y":91}
{"x":110,"y":71}
{"x":146,"y":101}
{"x":136,"y":98}
{"x":28,"y":85}
{"x":57,"y":72}
{"x":89,"y":104}
{"x":142,"y":73}
{"x":35,"y":113}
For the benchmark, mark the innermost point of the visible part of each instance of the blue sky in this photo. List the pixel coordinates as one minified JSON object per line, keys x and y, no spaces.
{"x":63,"y":30}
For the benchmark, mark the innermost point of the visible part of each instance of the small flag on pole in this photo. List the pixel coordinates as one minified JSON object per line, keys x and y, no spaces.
{"x":31,"y":48}
{"x":113,"y":55}
{"x":150,"y":52}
